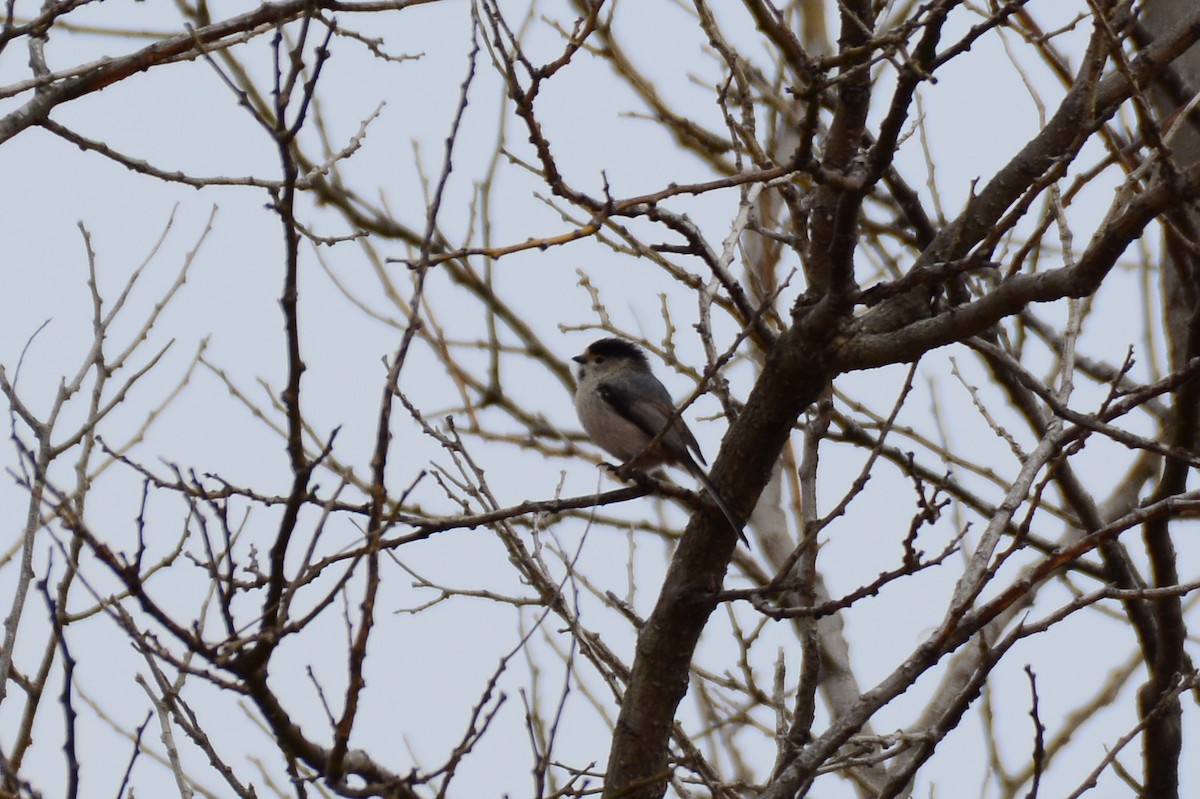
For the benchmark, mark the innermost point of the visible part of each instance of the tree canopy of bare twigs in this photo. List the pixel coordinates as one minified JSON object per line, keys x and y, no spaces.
{"x":296,"y":503}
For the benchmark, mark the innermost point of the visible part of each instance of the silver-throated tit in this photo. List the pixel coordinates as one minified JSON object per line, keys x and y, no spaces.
{"x":623,"y":406}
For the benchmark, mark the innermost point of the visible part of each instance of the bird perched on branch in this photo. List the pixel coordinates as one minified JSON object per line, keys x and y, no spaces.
{"x":623,"y":407}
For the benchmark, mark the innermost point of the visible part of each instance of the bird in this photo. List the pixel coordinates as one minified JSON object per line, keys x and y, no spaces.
{"x":623,"y":407}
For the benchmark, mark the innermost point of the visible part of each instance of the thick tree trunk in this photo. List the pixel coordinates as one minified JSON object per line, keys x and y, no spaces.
{"x":1179,"y":123}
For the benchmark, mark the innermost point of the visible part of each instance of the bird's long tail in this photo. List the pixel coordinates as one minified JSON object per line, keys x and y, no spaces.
{"x":711,"y":490}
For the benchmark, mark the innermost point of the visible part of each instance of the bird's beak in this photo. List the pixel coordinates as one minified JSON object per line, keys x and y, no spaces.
{"x":579,"y":359}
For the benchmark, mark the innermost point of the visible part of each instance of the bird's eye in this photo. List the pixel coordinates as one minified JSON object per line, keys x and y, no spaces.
{"x":599,"y":359}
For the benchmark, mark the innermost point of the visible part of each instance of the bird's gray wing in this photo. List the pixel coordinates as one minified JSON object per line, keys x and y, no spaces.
{"x":643,"y":401}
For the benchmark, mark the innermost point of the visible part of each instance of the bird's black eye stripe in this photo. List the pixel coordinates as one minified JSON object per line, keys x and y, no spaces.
{"x":616,"y":348}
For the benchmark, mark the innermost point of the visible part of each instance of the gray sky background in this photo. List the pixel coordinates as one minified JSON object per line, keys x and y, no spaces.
{"x":182,"y":117}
